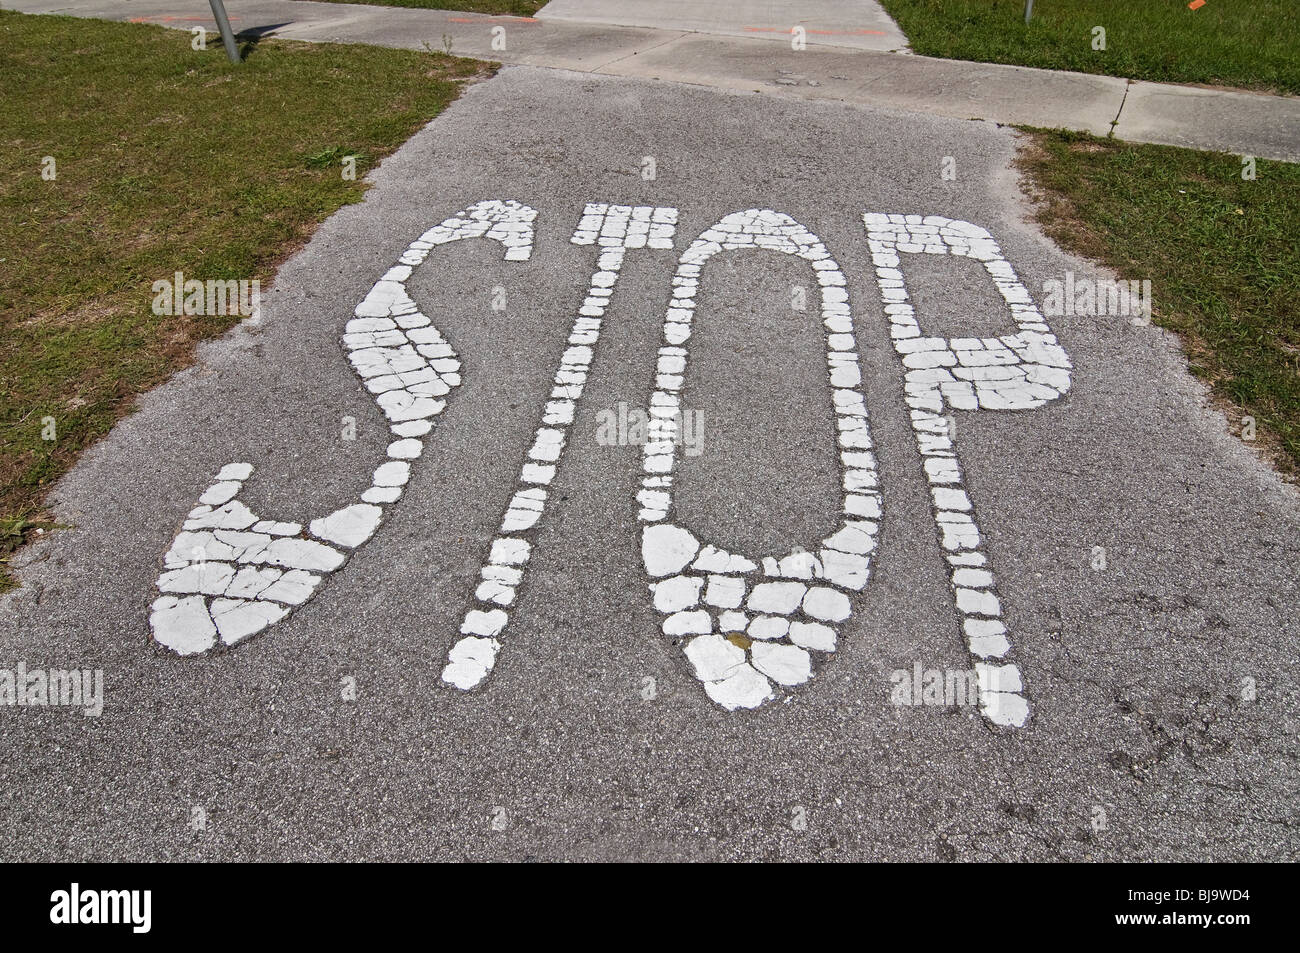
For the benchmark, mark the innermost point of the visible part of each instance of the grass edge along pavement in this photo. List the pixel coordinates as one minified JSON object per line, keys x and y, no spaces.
{"x":516,"y":8}
{"x":125,"y":157}
{"x":1247,"y":44}
{"x":1218,"y":248}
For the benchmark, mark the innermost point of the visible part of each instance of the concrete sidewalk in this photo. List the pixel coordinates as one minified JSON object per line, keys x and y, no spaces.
{"x":856,"y":24}
{"x":834,"y":66}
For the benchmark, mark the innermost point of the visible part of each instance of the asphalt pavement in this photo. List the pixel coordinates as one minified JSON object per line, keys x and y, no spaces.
{"x":1144,"y":560}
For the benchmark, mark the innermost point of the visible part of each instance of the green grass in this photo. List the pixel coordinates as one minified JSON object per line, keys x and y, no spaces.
{"x":518,"y":8}
{"x":167,"y":160}
{"x":1253,"y":44}
{"x":1220,"y":252}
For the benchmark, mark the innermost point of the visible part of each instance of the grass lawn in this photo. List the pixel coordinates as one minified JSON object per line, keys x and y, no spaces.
{"x":1247,"y":43}
{"x":518,"y":8}
{"x":165,"y":159}
{"x":1220,"y":252}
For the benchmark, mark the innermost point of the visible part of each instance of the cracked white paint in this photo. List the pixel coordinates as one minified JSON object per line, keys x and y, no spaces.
{"x":805,"y":589}
{"x":749,"y":628}
{"x":230,"y":574}
{"x":1017,"y":371}
{"x":615,"y":229}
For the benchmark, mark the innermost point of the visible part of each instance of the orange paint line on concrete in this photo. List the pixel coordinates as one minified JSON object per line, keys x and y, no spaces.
{"x":780,"y":29}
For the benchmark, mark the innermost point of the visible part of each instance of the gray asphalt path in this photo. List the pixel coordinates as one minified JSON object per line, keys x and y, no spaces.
{"x":1142,"y":742}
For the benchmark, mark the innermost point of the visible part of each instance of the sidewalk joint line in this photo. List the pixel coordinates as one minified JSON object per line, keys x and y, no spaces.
{"x":1115,"y":122}
{"x":648,"y":49}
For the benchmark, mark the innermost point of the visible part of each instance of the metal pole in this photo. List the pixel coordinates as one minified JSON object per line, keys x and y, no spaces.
{"x":1029,"y":9}
{"x":223,"y":24}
